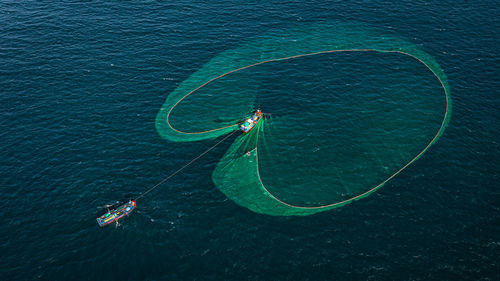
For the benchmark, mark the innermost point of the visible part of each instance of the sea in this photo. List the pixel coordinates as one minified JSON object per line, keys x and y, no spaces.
{"x":81,"y":83}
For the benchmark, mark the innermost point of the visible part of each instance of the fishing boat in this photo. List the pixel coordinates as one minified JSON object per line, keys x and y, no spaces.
{"x":249,"y":123}
{"x":116,"y":214}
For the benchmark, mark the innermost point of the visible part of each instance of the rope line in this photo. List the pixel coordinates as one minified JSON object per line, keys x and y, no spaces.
{"x":281,"y":59}
{"x":183,"y":167}
{"x":434,"y":139}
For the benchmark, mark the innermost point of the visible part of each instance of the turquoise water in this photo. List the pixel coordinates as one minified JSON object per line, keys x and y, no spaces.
{"x":82,"y":84}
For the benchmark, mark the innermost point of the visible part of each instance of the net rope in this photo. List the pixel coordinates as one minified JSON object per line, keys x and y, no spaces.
{"x":183,"y":167}
{"x":250,"y":190}
{"x":434,"y":139}
{"x":314,"y":209}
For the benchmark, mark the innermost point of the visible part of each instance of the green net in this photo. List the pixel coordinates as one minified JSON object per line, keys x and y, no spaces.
{"x":350,"y":106}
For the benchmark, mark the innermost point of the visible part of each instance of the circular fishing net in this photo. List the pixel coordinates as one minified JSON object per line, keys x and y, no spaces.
{"x":349,"y":107}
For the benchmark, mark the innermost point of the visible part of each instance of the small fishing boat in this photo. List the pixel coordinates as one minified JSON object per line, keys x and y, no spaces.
{"x":249,"y":123}
{"x":116,"y":214}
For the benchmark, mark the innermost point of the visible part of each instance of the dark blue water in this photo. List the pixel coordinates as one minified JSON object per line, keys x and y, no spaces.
{"x":80,"y":87}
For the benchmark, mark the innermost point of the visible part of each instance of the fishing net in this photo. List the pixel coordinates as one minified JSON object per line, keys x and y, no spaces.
{"x":350,"y":107}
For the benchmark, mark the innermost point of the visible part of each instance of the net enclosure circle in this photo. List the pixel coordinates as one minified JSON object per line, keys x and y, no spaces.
{"x":349,"y":108}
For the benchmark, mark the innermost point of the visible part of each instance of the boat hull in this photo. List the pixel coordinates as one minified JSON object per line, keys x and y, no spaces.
{"x":116,"y":214}
{"x":250,"y":123}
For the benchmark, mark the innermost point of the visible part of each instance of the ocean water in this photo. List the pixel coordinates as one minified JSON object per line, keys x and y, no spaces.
{"x":80,"y":87}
